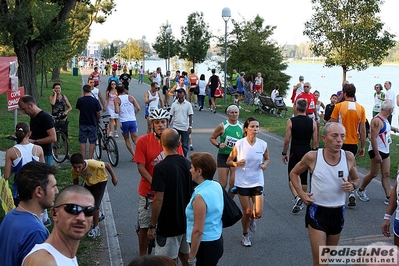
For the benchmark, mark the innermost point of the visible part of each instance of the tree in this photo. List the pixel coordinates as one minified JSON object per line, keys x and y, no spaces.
{"x":165,"y":44}
{"x":250,"y":50}
{"x":348,"y":33}
{"x":195,"y":40}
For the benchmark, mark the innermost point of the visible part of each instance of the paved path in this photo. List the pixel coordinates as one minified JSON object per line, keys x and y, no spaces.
{"x":281,"y":238}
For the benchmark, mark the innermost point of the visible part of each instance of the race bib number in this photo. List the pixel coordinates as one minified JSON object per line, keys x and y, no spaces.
{"x":230,"y":142}
{"x":377,"y":108}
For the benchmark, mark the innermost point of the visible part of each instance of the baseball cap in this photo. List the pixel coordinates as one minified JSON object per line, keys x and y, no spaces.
{"x":301,"y":78}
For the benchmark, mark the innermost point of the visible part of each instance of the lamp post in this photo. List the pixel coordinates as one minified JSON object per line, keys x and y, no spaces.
{"x":169,"y":32}
{"x":143,"y":39}
{"x":226,"y":14}
{"x":120,"y":52}
{"x":129,"y":41}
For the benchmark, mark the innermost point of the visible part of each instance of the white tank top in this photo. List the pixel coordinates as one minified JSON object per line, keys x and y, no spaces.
{"x":384,"y":136}
{"x":94,"y":93}
{"x":59,"y":258}
{"x":326,"y":181}
{"x":126,"y":109}
{"x":158,"y":79}
{"x":153,"y":104}
{"x":251,"y":175}
{"x":26,"y":151}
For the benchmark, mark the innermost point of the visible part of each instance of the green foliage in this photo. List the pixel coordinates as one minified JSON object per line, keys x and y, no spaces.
{"x":195,"y":40}
{"x":165,"y":42}
{"x":348,"y":33}
{"x":251,"y":51}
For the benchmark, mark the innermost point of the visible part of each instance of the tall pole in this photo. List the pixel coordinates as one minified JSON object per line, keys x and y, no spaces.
{"x":143,"y":38}
{"x":226,"y":14}
{"x":168,"y":32}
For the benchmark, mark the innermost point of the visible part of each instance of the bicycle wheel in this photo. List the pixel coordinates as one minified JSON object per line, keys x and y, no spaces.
{"x":98,"y":149}
{"x":60,"y":148}
{"x":112,"y":151}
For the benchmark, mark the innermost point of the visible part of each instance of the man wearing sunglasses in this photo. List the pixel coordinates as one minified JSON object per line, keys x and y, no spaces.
{"x":21,"y":229}
{"x":72,"y":215}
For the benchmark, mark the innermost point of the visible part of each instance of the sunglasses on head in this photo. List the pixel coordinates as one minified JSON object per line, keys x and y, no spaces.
{"x":75,"y":209}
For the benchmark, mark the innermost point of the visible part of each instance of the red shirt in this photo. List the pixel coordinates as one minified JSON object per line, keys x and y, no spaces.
{"x":149,"y":152}
{"x":310,"y":99}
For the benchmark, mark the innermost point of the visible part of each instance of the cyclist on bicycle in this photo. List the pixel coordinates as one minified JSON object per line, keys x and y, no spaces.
{"x":149,"y":153}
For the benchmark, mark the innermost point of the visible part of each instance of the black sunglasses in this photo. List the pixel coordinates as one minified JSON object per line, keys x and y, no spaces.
{"x":75,"y":209}
{"x":306,"y":86}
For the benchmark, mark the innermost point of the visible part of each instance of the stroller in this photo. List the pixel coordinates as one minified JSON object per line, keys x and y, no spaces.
{"x":268,"y":106}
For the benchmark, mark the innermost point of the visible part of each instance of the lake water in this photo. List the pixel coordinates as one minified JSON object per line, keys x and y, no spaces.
{"x":325,"y":80}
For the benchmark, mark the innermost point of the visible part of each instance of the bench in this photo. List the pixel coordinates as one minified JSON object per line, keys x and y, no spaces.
{"x":268,"y":104}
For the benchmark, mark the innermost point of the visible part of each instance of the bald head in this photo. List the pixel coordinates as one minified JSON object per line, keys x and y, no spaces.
{"x":170,"y":139}
{"x":65,"y":193}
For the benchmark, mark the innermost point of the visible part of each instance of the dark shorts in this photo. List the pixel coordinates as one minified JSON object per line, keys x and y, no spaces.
{"x":164,"y":90}
{"x":87,"y":132}
{"x":221,"y":160}
{"x":296,"y":154}
{"x":250,"y":191}
{"x":383,"y":155}
{"x":97,"y":191}
{"x":350,"y":147}
{"x":209,"y":252}
{"x":328,"y":220}
{"x":213,"y":92}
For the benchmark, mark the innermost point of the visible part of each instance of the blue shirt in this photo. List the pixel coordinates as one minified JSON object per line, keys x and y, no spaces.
{"x":113,"y":78}
{"x":19,"y":233}
{"x":212,"y":194}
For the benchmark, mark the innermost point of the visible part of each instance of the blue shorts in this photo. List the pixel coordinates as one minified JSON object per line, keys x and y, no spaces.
{"x":129,"y":127}
{"x":396,"y":227}
{"x":87,"y":132}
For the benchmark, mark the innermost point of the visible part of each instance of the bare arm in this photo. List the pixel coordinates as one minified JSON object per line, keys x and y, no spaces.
{"x":135,"y":103}
{"x":112,"y":173}
{"x":10,"y":156}
{"x":144,"y":173}
{"x":315,"y":137}
{"x":160,"y":99}
{"x":51,"y":137}
{"x":40,"y":257}
{"x":68,"y":105}
{"x":156,"y":207}
{"x":307,"y":162}
{"x":199,"y":208}
{"x":362,"y":132}
{"x":117,"y":102}
{"x":287,"y":139}
{"x":219,"y":130}
{"x":232,"y":156}
{"x":390,"y":210}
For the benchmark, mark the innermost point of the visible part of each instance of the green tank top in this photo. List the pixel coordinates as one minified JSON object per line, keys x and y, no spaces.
{"x":231,"y":134}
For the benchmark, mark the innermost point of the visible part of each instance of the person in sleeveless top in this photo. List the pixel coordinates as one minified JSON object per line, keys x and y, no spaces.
{"x":127,"y":108}
{"x":300,"y":130}
{"x":378,"y":151}
{"x":152,"y":100}
{"x":228,"y":132}
{"x":213,"y":83}
{"x":110,"y":95}
{"x":72,"y":214}
{"x":193,"y":79}
{"x":177,"y":86}
{"x":60,"y":106}
{"x":20,"y":154}
{"x":250,"y":156}
{"x":333,"y":175}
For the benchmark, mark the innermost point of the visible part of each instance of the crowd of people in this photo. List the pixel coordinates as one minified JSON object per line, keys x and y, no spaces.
{"x":180,"y":206}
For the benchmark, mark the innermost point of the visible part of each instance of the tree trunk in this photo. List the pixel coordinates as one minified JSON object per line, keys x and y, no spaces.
{"x":344,"y":71}
{"x":55,"y":75}
{"x":27,"y":66}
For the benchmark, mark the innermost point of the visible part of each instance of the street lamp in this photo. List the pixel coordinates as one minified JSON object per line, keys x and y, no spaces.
{"x":169,"y":32}
{"x":129,"y":41}
{"x":120,"y":52}
{"x":226,"y":14}
{"x":143,"y":39}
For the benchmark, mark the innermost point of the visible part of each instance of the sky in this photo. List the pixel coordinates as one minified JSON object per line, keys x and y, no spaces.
{"x":133,"y":19}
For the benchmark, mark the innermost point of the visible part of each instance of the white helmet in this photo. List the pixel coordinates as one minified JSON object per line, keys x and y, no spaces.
{"x":159,"y":114}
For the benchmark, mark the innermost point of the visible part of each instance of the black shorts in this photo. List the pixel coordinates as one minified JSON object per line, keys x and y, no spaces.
{"x":328,"y":220}
{"x":97,"y":191}
{"x":221,"y":160}
{"x":350,"y":147}
{"x":164,"y":90}
{"x":296,"y":154}
{"x":250,"y":191}
{"x":383,"y":155}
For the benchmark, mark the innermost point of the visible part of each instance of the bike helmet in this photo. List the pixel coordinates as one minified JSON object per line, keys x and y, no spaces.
{"x":158,"y":114}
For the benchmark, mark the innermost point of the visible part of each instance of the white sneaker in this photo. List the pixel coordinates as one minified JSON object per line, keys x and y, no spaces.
{"x":245,"y":241}
{"x":95,"y":232}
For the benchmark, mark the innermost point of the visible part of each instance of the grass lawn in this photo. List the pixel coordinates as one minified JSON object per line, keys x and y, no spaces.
{"x":90,"y":249}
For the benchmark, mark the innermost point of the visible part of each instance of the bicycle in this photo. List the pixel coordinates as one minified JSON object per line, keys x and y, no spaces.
{"x":60,"y":148}
{"x":107,"y":143}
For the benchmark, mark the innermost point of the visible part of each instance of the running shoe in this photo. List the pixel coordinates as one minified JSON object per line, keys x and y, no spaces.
{"x":191,"y":148}
{"x":95,"y":232}
{"x":352,"y":199}
{"x":298,"y":205}
{"x":101,"y":217}
{"x":386,"y":201}
{"x":245,"y":241}
{"x":362,"y":195}
{"x":252,"y":224}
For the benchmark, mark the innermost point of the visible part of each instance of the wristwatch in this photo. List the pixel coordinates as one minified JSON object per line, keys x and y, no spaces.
{"x":152,"y":226}
{"x":354,"y":186}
